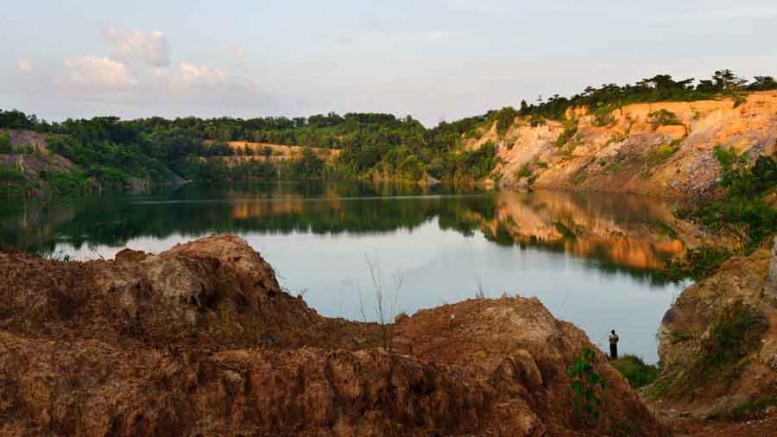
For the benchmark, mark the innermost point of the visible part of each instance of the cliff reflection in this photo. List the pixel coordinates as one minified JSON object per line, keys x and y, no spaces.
{"x":614,"y":231}
{"x":628,"y":231}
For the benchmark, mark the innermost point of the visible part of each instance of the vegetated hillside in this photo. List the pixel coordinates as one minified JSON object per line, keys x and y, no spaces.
{"x":718,"y":343}
{"x":661,"y":148}
{"x":115,"y":152}
{"x":655,"y":136}
{"x":28,"y":165}
{"x":202,"y":340}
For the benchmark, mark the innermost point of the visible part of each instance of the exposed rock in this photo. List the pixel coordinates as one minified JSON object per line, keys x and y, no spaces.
{"x":631,"y":154}
{"x":175,"y":344}
{"x":771,"y":281}
{"x":718,"y":342}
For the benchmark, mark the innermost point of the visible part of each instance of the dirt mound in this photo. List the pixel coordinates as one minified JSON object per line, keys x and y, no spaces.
{"x":201,"y":339}
{"x":718,"y":343}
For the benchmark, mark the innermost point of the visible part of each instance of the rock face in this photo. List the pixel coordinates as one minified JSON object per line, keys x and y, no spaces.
{"x":629,"y":152}
{"x":202,"y":340}
{"x":718,"y":342}
{"x":34,"y":159}
{"x":771,"y":280}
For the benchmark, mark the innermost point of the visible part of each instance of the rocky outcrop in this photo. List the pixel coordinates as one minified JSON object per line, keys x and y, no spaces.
{"x":32,"y":159}
{"x":771,"y":280}
{"x":201,"y":339}
{"x":629,"y":150}
{"x":718,"y":342}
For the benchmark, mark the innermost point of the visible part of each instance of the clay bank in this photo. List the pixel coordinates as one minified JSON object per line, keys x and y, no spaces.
{"x":201,"y":339}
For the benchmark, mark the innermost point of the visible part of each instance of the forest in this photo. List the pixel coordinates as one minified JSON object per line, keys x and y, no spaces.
{"x":110,"y":152}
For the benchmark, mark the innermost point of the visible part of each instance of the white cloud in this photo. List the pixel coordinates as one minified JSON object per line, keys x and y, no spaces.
{"x":732,"y":13}
{"x":151,"y":48}
{"x":390,"y":38}
{"x":25,"y":65}
{"x":236,"y":50}
{"x":477,"y":6}
{"x":200,"y":75}
{"x":100,"y":72}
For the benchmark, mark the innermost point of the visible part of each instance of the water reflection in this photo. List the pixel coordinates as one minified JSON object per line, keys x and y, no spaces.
{"x":592,"y":259}
{"x":627,"y":233}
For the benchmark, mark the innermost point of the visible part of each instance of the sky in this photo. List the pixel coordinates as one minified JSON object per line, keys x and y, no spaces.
{"x":431,"y":59}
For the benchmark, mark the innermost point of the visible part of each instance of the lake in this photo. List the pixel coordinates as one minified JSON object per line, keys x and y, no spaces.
{"x":593,"y":259}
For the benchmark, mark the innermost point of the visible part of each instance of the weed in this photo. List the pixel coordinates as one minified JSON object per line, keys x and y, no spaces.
{"x":736,"y":333}
{"x":384,"y":310}
{"x":746,"y":410}
{"x":665,"y":151}
{"x":587,"y":387}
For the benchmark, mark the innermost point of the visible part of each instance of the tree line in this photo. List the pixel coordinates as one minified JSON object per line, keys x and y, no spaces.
{"x":110,"y":152}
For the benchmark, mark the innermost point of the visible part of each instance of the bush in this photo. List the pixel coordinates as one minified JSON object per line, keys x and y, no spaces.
{"x":665,"y":151}
{"x":663,"y":117}
{"x":505,"y":118}
{"x":72,"y":182}
{"x":743,"y":209}
{"x":745,"y":410}
{"x":524,"y":172}
{"x":737,"y":332}
{"x":587,"y":387}
{"x":635,"y":370}
{"x":570,"y":130}
{"x":5,"y":143}
{"x":602,"y":116}
{"x":697,"y":263}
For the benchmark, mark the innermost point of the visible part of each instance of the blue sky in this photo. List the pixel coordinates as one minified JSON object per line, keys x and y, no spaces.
{"x":433,"y":59}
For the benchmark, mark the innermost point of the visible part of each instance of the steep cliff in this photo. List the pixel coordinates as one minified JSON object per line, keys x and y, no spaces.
{"x":718,"y":342}
{"x":202,"y":340}
{"x":664,"y":148}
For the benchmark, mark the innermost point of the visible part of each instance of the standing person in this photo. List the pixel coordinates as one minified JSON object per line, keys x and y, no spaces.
{"x":613,"y":345}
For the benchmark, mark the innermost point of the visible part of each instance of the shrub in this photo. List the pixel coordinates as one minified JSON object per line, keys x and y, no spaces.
{"x":587,"y":386}
{"x":664,"y":117}
{"x":665,"y":151}
{"x":570,"y":130}
{"x":505,"y":118}
{"x":635,"y":370}
{"x":736,"y":332}
{"x":72,"y":182}
{"x":5,"y":143}
{"x":524,"y":172}
{"x":474,"y":134}
{"x":745,"y":410}
{"x":603,"y":116}
{"x":697,"y":263}
{"x":536,"y":120}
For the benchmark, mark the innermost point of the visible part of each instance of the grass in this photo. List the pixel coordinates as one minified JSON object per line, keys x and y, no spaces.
{"x":661,"y":387}
{"x":635,"y":370}
{"x":746,"y":410}
{"x":665,"y":151}
{"x":735,"y":334}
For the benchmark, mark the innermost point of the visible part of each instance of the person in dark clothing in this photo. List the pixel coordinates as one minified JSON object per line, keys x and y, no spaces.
{"x":613,"y":345}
